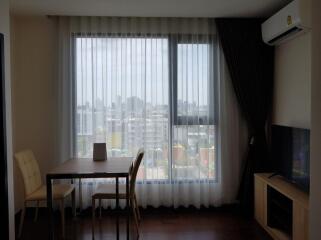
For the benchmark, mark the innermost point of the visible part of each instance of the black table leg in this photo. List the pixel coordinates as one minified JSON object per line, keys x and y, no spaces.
{"x":127,"y":207}
{"x":117,"y":208}
{"x":80,"y":196}
{"x":49,"y":206}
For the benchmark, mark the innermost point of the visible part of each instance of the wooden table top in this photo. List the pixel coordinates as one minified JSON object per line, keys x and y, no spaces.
{"x":113,"y":166}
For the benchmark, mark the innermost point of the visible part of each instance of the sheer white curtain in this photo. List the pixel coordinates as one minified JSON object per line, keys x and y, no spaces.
{"x":157,"y":83}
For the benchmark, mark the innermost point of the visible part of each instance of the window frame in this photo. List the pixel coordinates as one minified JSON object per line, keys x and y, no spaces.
{"x":174,"y":41}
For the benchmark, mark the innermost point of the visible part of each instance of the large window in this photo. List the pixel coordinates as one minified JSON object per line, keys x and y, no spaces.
{"x":155,"y":92}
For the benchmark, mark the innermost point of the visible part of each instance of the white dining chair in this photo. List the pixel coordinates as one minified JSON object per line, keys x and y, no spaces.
{"x":35,"y":190}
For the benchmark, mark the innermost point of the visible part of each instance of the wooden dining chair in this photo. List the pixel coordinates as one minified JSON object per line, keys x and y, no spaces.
{"x":35,"y":190}
{"x":108,"y":191}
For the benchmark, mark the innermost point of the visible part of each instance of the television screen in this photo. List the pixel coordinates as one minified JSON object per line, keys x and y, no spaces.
{"x":291,"y":154}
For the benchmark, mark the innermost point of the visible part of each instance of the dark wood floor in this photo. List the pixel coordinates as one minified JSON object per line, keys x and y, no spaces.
{"x":156,"y":224}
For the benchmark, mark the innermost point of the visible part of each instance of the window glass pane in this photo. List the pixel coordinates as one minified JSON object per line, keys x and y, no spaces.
{"x":192,"y":91}
{"x":194,"y":153}
{"x":122,"y":99}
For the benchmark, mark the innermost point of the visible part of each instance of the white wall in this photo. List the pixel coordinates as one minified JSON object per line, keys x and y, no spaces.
{"x":292,"y":86}
{"x":5,"y":29}
{"x":34,"y":59}
{"x":315,"y":162}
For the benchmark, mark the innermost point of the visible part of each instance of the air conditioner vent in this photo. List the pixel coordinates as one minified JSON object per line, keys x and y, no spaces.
{"x":286,"y":34}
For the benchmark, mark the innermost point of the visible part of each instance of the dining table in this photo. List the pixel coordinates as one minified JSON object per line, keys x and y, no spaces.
{"x":79,"y":168}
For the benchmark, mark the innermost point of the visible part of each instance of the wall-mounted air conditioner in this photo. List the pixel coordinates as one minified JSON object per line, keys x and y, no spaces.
{"x":291,"y":21}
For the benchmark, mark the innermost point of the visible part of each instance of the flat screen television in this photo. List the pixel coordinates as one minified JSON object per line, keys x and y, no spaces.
{"x":290,"y":152}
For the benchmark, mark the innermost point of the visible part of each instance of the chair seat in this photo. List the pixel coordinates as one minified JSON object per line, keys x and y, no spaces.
{"x":109,"y":191}
{"x":59,"y":191}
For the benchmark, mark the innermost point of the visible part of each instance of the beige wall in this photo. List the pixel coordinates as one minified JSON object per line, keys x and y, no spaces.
{"x":294,"y":92}
{"x":5,"y":29}
{"x":292,"y":87}
{"x":315,"y":162}
{"x":34,"y":54}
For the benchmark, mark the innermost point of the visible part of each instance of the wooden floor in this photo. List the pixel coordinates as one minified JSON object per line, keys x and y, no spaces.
{"x":156,"y":224}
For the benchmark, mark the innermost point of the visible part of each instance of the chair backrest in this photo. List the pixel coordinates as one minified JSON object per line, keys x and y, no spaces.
{"x":100,"y":152}
{"x":30,"y":171}
{"x":134,"y":171}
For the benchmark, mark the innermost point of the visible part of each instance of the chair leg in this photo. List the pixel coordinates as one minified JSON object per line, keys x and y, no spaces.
{"x":93,"y":218}
{"x":100,"y":208}
{"x":73,"y":199}
{"x":62,"y":212}
{"x":80,"y":195}
{"x":135,"y":215}
{"x":36,"y":211}
{"x":137,"y":208}
{"x":22,"y":217}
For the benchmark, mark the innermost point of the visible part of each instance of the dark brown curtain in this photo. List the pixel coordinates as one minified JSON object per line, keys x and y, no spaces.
{"x":250,"y":62}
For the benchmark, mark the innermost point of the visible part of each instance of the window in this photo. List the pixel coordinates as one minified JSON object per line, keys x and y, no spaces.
{"x":194,"y":119}
{"x":155,"y":92}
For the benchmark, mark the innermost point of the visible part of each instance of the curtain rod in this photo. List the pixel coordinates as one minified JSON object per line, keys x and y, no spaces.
{"x":56,"y":16}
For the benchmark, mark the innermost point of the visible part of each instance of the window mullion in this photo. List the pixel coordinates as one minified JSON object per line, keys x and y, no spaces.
{"x":172,"y":98}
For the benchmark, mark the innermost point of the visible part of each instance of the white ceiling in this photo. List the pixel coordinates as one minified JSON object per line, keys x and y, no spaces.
{"x":148,"y":8}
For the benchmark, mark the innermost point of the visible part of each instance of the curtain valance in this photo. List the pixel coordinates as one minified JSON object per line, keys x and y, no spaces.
{"x":140,"y":25}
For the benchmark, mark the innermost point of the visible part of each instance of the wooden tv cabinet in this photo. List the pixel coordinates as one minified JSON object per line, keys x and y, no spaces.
{"x":300,"y":206}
